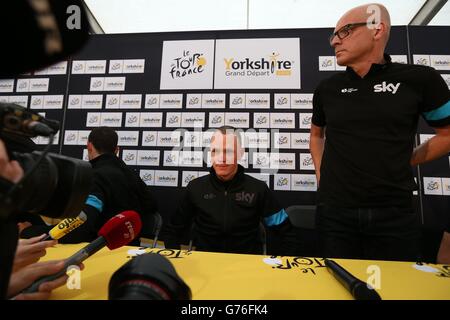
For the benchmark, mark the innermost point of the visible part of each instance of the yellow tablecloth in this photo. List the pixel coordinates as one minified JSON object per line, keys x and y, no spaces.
{"x":236,"y":276}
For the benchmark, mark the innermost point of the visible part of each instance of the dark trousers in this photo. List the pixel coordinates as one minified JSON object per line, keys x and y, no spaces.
{"x":390,"y":233}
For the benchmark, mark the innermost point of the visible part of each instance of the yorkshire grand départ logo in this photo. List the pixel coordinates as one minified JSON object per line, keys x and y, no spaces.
{"x":257,"y":63}
{"x":271,"y":64}
{"x":187,"y":64}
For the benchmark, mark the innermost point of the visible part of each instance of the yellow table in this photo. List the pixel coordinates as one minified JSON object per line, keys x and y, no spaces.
{"x":237,"y":276}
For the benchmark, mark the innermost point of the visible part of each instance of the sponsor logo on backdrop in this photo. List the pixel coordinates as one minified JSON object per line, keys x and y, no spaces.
{"x":282,"y":101}
{"x":78,"y":66}
{"x":169,"y":138}
{"x":306,"y":161}
{"x":129,"y":156}
{"x":282,"y":182}
{"x":257,"y":63}
{"x":111,"y":119}
{"x":440,"y":62}
{"x":147,"y":176}
{"x":282,"y":120}
{"x":148,"y":158}
{"x":433,"y":186}
{"x":21,"y":100}
{"x":305,"y":120}
{"x":130,"y":101}
{"x":257,"y":101}
{"x":187,"y":64}
{"x":128,"y":138}
{"x":91,"y":101}
{"x":261,"y":120}
{"x":216,"y":119}
{"x":7,"y":85}
{"x":194,"y":101}
{"x":75,"y":102}
{"x":37,"y":102}
{"x":133,"y":66}
{"x":301,"y":101}
{"x":191,"y":158}
{"x":237,"y":120}
{"x":149,"y":138}
{"x":213,"y":101}
{"x":53,"y":102}
{"x":95,"y":66}
{"x":304,"y":182}
{"x":283,"y":161}
{"x":151,"y":119}
{"x":300,"y":140}
{"x":93,"y":119}
{"x":132,"y":120}
{"x":422,"y":59}
{"x":166,"y":178}
{"x":171,"y":101}
{"x":188,"y":176}
{"x":39,"y":85}
{"x":152,"y":101}
{"x":115,"y":66}
{"x":194,"y":119}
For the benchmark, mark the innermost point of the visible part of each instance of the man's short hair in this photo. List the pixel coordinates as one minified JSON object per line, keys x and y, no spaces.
{"x":231,"y":130}
{"x":104,"y":139}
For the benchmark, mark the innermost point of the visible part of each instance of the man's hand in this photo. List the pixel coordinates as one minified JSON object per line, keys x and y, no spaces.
{"x":30,"y":251}
{"x":23,"y":278}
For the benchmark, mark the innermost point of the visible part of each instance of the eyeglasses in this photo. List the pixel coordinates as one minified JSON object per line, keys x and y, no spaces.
{"x":345,"y":30}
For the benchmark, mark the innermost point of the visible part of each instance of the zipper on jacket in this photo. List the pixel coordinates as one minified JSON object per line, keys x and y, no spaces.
{"x":225,"y":219}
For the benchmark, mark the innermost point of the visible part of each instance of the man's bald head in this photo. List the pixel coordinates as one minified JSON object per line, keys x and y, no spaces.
{"x":361,"y":35}
{"x":372,"y":13}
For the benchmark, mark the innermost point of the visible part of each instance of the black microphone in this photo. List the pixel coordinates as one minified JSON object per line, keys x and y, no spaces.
{"x":359,"y":289}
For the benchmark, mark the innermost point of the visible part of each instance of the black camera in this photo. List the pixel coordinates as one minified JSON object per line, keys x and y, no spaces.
{"x":148,"y":277}
{"x":57,"y":188}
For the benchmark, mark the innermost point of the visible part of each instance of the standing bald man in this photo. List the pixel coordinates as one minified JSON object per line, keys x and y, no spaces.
{"x":362,"y":142}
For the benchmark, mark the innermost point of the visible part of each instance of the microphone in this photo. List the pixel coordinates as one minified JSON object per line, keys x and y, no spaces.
{"x":115,"y":233}
{"x":359,"y":289}
{"x":17,"y":119}
{"x":65,"y":226}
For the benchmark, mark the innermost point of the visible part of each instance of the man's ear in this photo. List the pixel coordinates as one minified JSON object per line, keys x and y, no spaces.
{"x":117,"y":151}
{"x":380,"y":31}
{"x":89,"y":146}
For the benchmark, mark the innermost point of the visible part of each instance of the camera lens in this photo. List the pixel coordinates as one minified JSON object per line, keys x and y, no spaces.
{"x":148,"y":277}
{"x":57,"y":188}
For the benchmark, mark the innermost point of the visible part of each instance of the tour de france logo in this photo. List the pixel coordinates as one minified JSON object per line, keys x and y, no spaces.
{"x":188,"y":64}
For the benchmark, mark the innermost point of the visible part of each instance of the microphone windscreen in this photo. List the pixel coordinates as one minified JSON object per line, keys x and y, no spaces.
{"x":121,"y":229}
{"x":36,"y":34}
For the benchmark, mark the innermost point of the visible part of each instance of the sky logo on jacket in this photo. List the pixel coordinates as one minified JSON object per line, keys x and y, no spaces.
{"x":245,"y":197}
{"x":386,"y":87}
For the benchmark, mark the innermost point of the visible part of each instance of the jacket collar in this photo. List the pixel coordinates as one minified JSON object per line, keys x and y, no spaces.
{"x":102,"y":158}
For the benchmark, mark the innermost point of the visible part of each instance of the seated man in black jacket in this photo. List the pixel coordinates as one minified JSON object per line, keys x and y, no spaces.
{"x":226,"y":206}
{"x":116,"y":188}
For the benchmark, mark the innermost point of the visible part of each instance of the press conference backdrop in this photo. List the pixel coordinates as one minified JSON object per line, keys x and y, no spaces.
{"x":163,"y":91}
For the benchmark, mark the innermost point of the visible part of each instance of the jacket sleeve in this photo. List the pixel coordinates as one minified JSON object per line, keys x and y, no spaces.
{"x":93,"y":208}
{"x":277,"y":220}
{"x":180,"y":222}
